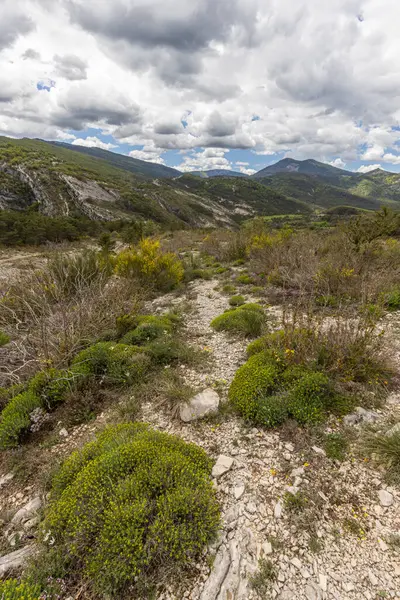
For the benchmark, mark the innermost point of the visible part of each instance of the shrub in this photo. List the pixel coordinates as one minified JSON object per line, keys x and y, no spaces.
{"x":167,"y":349}
{"x":385,"y":449}
{"x":53,"y":385}
{"x":228,"y":288}
{"x":336,"y":446}
{"x":248,"y":320}
{"x":237,"y":301}
{"x":118,"y":363}
{"x":148,"y":329}
{"x":150,"y":265}
{"x":138,"y":494}
{"x":271,"y":411}
{"x":15,"y":418}
{"x":392,"y":299}
{"x":244,"y":279}
{"x":308,"y":398}
{"x":11,"y":589}
{"x":4,"y":339}
{"x":253,"y":382}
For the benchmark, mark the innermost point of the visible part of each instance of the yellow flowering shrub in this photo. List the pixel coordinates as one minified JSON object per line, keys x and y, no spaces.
{"x":133,"y":507}
{"x":147,"y":262}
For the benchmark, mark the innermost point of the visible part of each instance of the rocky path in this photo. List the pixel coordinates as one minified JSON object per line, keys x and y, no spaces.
{"x":333,"y":547}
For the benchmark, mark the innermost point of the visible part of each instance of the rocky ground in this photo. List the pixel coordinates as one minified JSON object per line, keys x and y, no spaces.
{"x":323,"y":526}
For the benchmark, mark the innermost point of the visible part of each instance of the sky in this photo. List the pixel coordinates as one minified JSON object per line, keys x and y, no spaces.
{"x":207,"y":84}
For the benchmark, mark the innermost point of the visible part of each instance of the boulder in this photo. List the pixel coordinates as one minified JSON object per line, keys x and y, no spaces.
{"x":27,"y":512}
{"x":15,"y":559}
{"x":203,"y":404}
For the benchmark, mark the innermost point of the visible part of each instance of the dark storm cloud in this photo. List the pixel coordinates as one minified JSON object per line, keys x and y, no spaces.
{"x":70,"y":67}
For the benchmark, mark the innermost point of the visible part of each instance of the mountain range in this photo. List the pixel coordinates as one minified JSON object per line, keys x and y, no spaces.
{"x":62,"y":179}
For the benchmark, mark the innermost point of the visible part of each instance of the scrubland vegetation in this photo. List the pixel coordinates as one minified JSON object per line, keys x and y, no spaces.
{"x":83,"y":339}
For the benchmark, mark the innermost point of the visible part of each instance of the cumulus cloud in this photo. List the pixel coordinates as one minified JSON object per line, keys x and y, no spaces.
{"x":148,"y":154}
{"x":368,"y":168}
{"x":338,"y":162}
{"x":70,"y":66}
{"x":93,"y":142}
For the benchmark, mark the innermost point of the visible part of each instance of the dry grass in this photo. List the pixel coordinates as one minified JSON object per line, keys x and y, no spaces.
{"x":53,"y":312}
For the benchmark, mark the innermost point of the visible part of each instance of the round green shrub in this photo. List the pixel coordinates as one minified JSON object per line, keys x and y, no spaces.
{"x":253,"y":381}
{"x":237,"y":301}
{"x":11,"y":589}
{"x":308,"y":398}
{"x":15,"y":418}
{"x":148,"y":329}
{"x":53,"y":385}
{"x":118,"y":363}
{"x":133,"y":507}
{"x":246,"y":320}
{"x":271,"y":411}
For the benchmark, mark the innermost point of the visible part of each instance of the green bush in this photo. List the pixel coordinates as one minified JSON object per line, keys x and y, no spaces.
{"x":336,"y":446}
{"x":308,"y":398}
{"x":253,"y":381}
{"x":247,"y":320}
{"x":70,"y":274}
{"x":392,"y":299}
{"x":167,"y":349}
{"x":138,"y":494}
{"x":125,"y":323}
{"x":4,"y":339}
{"x":11,"y":589}
{"x":15,"y":418}
{"x":118,"y":363}
{"x":244,"y":279}
{"x":271,"y":411}
{"x":237,"y":301}
{"x":53,"y":385}
{"x":148,"y":329}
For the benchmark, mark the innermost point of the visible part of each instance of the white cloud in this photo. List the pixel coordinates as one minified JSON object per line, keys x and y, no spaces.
{"x":393,"y":159}
{"x":270,"y":78}
{"x":150,"y":155}
{"x":93,"y":142}
{"x":368,"y":168}
{"x":338,"y":162}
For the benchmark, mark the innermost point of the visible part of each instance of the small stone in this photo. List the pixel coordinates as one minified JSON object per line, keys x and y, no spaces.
{"x":305,"y":573}
{"x":348,"y":586}
{"x":323,"y":582}
{"x":6,"y":478}
{"x":385,"y":498}
{"x":320,"y":451}
{"x":383,"y":546}
{"x":373,"y":579}
{"x":238,"y":490}
{"x":297,"y":472}
{"x":251,"y":508}
{"x":278,"y":510}
{"x":292,"y":489}
{"x":289,"y":447}
{"x":223,"y":464}
{"x":281,"y":577}
{"x":312,"y":592}
{"x":266,"y":548}
{"x":287,"y":456}
{"x":296,"y":563}
{"x":64,"y":433}
{"x":204,"y":403}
